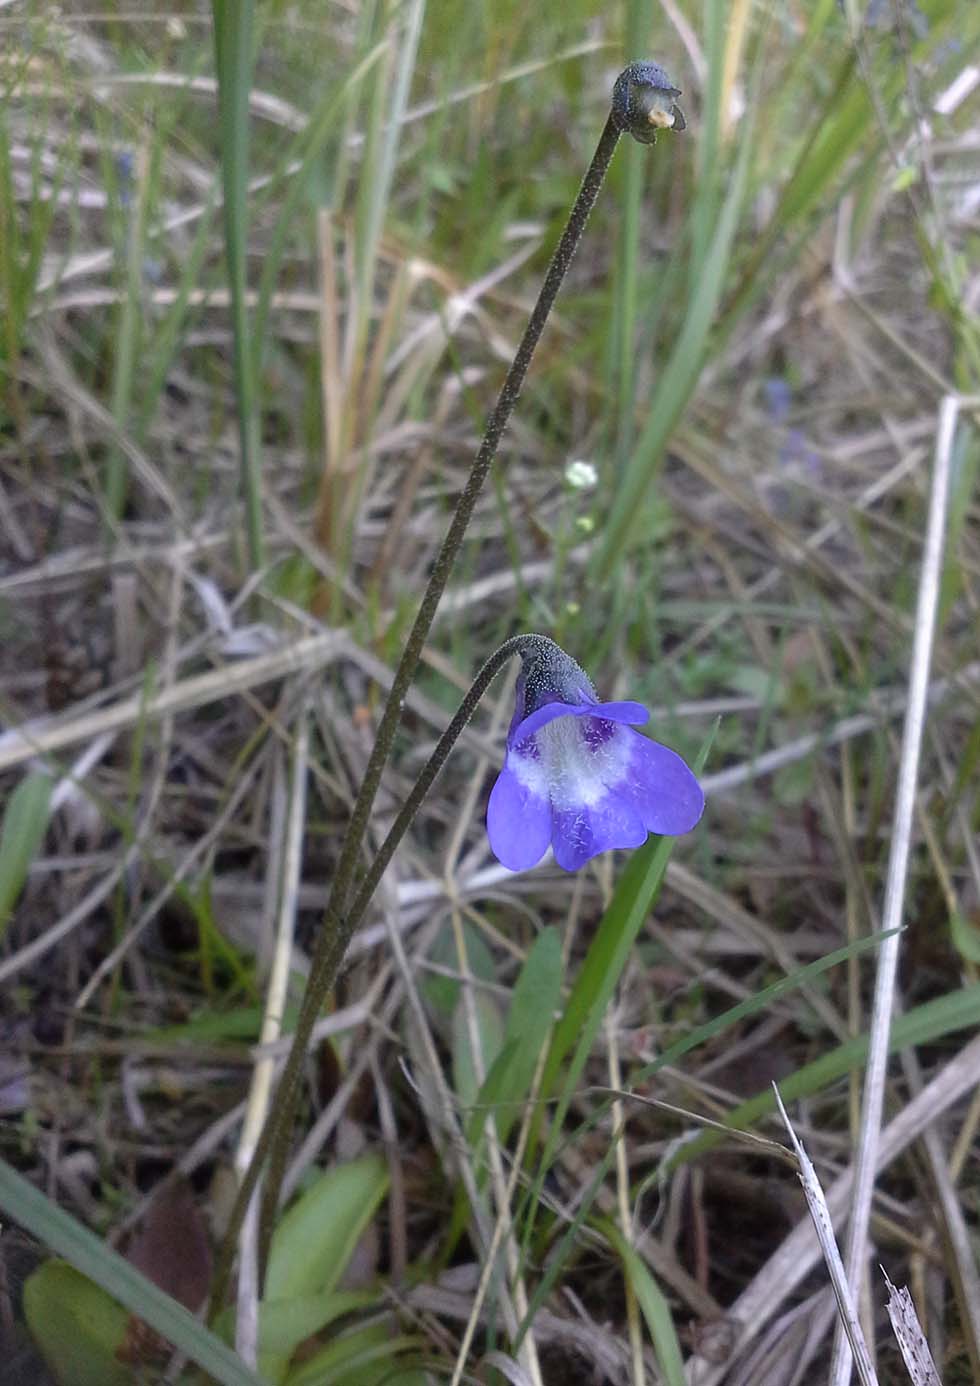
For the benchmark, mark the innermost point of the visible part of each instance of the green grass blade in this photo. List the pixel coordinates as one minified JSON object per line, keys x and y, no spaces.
{"x":635,"y":163}
{"x":381,"y":155}
{"x":306,"y":150}
{"x":606,"y":958}
{"x":25,"y":821}
{"x":35,"y":1212}
{"x":677,"y":380}
{"x":168,"y":332}
{"x":752,"y":1005}
{"x":234,"y":27}
{"x":958,"y":1010}
{"x":128,"y":339}
{"x":560,"y":1253}
{"x":654,"y":1306}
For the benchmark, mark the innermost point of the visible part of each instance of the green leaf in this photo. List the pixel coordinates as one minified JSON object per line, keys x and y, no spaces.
{"x":597,"y":980}
{"x":317,"y":1235}
{"x":35,"y":1212}
{"x":285,"y":1323}
{"x":79,"y":1329}
{"x":212,"y":1026}
{"x":532,"y":1011}
{"x":467,"y":1065}
{"x":677,"y":376}
{"x":24,"y":825}
{"x":654,"y":1306}
{"x":310,"y":1251}
{"x":966,"y":937}
{"x":362,"y":1357}
{"x":442,"y":991}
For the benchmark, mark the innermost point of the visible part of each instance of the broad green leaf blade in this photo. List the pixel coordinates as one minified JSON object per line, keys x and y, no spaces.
{"x":441,"y":989}
{"x":966,"y":937}
{"x":79,"y":1329}
{"x":316,"y":1236}
{"x":529,"y":1021}
{"x":285,"y":1323}
{"x":363,"y":1357}
{"x":35,"y":1212}
{"x":24,"y":825}
{"x":467,"y":1064}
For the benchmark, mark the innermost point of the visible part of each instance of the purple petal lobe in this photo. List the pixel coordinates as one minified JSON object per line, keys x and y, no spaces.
{"x":663,"y":791}
{"x":518,"y":818}
{"x":634,"y":714}
{"x":534,"y":721}
{"x":580,"y":833}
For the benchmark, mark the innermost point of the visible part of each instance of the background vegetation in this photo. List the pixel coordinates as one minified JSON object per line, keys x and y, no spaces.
{"x":247,"y":350}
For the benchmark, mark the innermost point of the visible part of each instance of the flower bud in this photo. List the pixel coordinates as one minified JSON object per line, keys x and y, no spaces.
{"x":643,"y":102}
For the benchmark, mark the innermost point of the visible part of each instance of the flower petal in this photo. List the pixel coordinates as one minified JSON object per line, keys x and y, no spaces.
{"x":518,"y":820}
{"x":534,"y":721}
{"x":633,"y":713}
{"x":584,"y":832}
{"x":663,"y":791}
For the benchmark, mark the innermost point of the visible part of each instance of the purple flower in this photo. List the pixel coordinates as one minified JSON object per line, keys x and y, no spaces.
{"x":577,"y":777}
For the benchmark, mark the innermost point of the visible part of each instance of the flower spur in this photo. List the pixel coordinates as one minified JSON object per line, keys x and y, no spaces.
{"x":577,"y":776}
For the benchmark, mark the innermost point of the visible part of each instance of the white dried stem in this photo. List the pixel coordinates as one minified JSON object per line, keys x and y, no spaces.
{"x":246,"y":1329}
{"x":884,"y":997}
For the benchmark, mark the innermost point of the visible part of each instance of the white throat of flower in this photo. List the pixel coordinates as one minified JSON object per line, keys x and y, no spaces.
{"x":568,"y":770}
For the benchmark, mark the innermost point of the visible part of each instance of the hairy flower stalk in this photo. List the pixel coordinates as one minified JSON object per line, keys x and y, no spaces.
{"x":643,"y":103}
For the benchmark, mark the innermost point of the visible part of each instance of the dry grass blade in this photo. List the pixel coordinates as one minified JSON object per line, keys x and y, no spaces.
{"x":819,"y":1212}
{"x":911,"y":1339}
{"x":246,"y":1331}
{"x":44,"y":738}
{"x":799,"y":1252}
